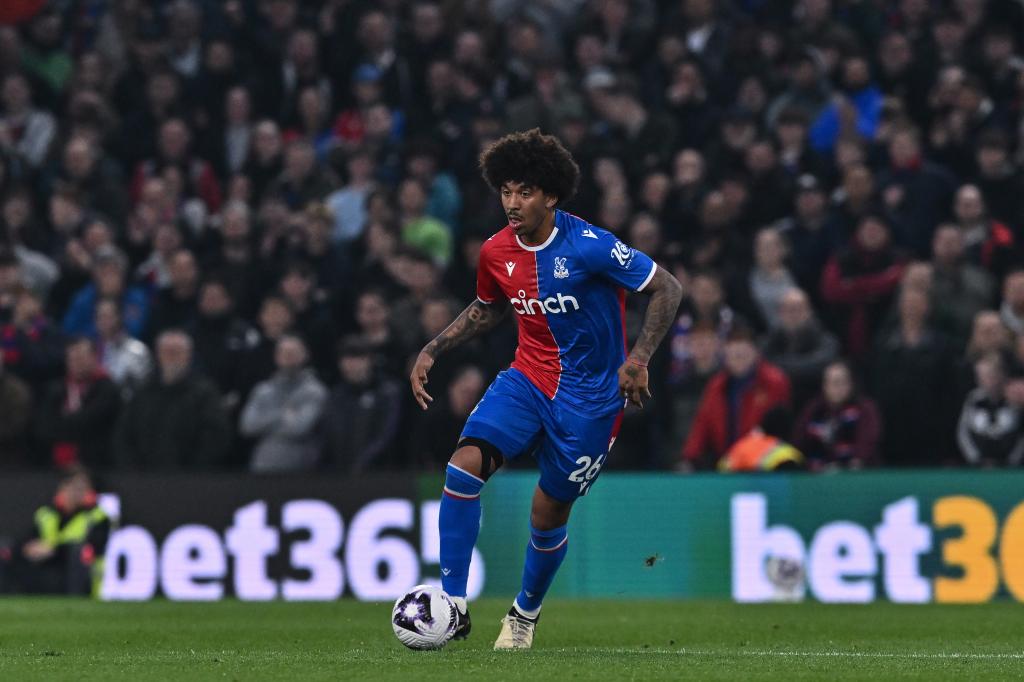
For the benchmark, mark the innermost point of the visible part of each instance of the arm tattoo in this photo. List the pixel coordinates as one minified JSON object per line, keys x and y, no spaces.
{"x":476,"y":319}
{"x":665,"y":292}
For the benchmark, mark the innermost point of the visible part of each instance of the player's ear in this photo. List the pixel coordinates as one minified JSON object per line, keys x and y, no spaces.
{"x":550,"y":201}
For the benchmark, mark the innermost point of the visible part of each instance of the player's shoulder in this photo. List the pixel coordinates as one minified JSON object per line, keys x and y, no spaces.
{"x":588,"y":239}
{"x":497,"y":242}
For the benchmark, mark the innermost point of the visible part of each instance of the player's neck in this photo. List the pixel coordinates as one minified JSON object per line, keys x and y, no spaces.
{"x":541,"y":234}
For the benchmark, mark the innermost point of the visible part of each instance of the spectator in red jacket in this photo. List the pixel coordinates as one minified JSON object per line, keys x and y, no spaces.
{"x":860,"y":282}
{"x":734,"y":401}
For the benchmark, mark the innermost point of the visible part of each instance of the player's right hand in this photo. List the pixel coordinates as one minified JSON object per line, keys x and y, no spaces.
{"x":418,"y":379}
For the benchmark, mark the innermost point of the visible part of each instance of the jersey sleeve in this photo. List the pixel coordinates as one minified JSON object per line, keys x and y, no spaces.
{"x":487,"y":290}
{"x":609,"y":257}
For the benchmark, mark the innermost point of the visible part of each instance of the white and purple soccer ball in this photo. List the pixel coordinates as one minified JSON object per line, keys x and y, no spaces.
{"x":425,"y":618}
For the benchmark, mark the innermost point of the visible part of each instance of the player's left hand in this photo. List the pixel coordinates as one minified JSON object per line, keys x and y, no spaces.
{"x":633,"y":382}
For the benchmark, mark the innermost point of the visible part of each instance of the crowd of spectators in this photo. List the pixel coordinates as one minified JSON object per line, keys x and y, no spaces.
{"x":227,"y":226}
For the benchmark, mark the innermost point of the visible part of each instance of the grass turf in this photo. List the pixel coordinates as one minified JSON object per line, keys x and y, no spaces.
{"x":58,"y":639}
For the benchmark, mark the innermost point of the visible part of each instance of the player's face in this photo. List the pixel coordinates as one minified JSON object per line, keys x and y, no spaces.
{"x":527,"y":208}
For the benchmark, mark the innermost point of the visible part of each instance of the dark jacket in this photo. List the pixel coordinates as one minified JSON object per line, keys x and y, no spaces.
{"x":802,"y":355}
{"x":16,"y":408}
{"x":173,"y":426}
{"x":360,"y":426}
{"x":83,"y":434}
{"x":841,"y":434}
{"x":912,"y":385}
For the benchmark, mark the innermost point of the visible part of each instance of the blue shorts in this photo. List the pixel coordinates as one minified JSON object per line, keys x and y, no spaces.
{"x":515,"y":417}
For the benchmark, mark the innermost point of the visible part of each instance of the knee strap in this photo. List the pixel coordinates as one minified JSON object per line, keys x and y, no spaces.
{"x":489,"y":454}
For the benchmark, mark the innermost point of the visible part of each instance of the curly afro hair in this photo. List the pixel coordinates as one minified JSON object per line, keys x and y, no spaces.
{"x":533,"y":159}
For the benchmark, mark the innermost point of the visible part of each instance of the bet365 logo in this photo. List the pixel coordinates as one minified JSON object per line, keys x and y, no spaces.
{"x":962,"y":557}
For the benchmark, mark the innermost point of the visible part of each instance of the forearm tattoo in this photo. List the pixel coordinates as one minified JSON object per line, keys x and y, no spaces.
{"x":661,"y":311}
{"x":476,"y":319}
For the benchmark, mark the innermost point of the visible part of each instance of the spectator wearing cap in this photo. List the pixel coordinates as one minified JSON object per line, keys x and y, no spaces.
{"x":362,"y":415}
{"x":175,"y":421}
{"x":367,"y":90}
{"x":800,"y":345}
{"x":734,"y":401}
{"x":282,"y":413}
{"x":915,"y":192}
{"x":859,"y":282}
{"x":988,"y":243}
{"x":108,"y":280}
{"x":989,"y":431}
{"x":960,"y":289}
{"x":910,"y":367}
{"x":76,"y":415}
{"x":807,"y":231}
{"x":841,"y":427}
{"x":24,"y":129}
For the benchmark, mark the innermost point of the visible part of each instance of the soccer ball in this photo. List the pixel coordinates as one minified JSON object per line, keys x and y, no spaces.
{"x":425,"y":618}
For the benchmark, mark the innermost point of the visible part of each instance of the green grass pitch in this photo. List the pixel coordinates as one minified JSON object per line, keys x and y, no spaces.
{"x":57,"y":639}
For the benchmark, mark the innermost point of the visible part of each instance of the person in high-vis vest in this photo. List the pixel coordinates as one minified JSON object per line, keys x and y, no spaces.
{"x":763,"y":448}
{"x":63,"y":553}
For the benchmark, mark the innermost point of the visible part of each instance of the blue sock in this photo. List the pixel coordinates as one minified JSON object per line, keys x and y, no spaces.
{"x":544,"y":554}
{"x":459,"y":522}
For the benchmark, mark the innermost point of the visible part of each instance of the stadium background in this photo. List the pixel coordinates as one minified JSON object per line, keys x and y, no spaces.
{"x":241,"y":171}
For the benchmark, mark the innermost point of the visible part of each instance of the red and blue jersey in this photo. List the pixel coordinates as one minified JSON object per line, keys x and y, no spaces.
{"x":568,"y":295}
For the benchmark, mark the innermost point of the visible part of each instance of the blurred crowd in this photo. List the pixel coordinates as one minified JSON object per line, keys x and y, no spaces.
{"x":228,"y":226}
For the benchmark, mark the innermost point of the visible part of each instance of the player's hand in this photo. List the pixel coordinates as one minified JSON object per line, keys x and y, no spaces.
{"x":418,"y":379}
{"x":633,"y":383}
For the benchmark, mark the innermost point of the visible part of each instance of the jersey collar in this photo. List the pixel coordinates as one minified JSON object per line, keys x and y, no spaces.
{"x":551,"y":238}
